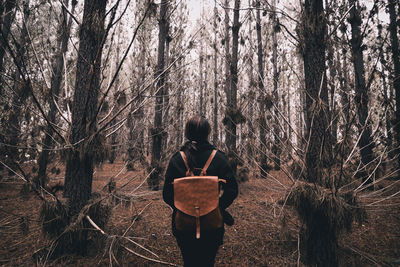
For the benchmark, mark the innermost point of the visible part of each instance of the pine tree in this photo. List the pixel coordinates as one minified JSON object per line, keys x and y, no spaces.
{"x":58,"y":66}
{"x":158,"y":131}
{"x":366,"y":143}
{"x":83,"y":138}
{"x":393,"y":28}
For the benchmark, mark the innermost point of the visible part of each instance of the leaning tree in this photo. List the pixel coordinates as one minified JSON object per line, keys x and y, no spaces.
{"x":83,"y":137}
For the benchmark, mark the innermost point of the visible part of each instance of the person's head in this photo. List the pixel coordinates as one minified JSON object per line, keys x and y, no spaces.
{"x":197,"y":129}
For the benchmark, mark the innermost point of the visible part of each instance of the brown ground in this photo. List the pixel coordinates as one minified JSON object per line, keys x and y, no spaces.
{"x":256,"y":239}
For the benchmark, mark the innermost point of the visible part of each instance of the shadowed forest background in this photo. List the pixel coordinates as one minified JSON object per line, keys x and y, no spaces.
{"x":302,"y":96}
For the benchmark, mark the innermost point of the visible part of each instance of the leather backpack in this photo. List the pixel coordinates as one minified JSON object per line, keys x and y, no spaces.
{"x":196,"y":199}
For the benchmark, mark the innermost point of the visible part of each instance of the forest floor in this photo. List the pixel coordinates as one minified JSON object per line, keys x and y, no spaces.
{"x":264,"y":233}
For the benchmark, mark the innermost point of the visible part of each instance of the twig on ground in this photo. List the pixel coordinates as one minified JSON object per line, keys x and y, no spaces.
{"x":147,"y":258}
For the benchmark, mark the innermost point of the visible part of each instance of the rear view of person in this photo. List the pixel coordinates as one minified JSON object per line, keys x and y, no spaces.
{"x":198,"y":157}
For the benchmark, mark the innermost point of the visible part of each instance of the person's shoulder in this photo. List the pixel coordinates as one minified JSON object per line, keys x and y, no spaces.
{"x":176,"y":155}
{"x":175,"y":159}
{"x":219,"y":151}
{"x":221,"y":160}
{"x":220,"y":155}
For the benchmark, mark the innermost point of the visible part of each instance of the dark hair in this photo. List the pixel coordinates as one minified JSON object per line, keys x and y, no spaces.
{"x":197,"y":129}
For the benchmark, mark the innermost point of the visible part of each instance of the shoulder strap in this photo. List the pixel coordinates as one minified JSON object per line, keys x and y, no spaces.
{"x":188,"y":172}
{"x":204,"y":170}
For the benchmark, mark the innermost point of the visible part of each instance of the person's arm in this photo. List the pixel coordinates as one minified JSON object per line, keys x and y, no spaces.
{"x":168,"y":189}
{"x":231,"y":186}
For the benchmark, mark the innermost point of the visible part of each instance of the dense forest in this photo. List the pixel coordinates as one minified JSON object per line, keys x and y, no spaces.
{"x":302,"y":96}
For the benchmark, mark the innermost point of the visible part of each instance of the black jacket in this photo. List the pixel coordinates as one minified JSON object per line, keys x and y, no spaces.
{"x":219,"y":167}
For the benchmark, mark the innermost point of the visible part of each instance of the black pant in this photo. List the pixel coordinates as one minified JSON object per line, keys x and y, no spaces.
{"x":199,"y":252}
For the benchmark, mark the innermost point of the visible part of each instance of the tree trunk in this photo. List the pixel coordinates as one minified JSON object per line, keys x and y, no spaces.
{"x":5,"y":25}
{"x":344,"y":92}
{"x":289,"y":128}
{"x":396,"y":74}
{"x":201,"y":81}
{"x":19,"y":96}
{"x":179,"y":105}
{"x":317,"y":131}
{"x":58,"y":65}
{"x":262,"y":122}
{"x":288,"y":85}
{"x":321,"y":242}
{"x":205,"y":84}
{"x":345,"y":104}
{"x":165,"y":120}
{"x":215,"y":111}
{"x":136,"y":149}
{"x":119,"y":100}
{"x":181,"y":74}
{"x":227,"y":62}
{"x":332,"y":76}
{"x":158,"y":131}
{"x":301,"y":109}
{"x":231,"y":121}
{"x":386,"y":101}
{"x":276,"y":145}
{"x":79,"y":165}
{"x":250,"y":128}
{"x":365,"y":144}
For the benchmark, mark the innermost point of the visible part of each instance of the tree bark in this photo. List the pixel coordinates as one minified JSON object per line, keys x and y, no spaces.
{"x":19,"y":96}
{"x":250,"y":128}
{"x":318,"y":154}
{"x":344,"y":92}
{"x":276,"y":145}
{"x":79,"y":165}
{"x":317,"y":131}
{"x":181,"y":74}
{"x":321,"y":242}
{"x":215,"y":110}
{"x":332,"y":64}
{"x":179,"y":105}
{"x":158,"y":131}
{"x":232,"y":101}
{"x":118,"y":101}
{"x":201,"y":80}
{"x":227,"y":61}
{"x":366,"y":143}
{"x":136,"y":148}
{"x":289,"y":128}
{"x":262,"y":122}
{"x":5,"y":25}
{"x":396,"y":69}
{"x":165,"y":120}
{"x":345,"y":104}
{"x":58,"y":64}
{"x":388,"y":124}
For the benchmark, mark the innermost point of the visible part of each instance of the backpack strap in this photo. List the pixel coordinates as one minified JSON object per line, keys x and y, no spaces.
{"x":204,"y":170}
{"x":188,"y":172}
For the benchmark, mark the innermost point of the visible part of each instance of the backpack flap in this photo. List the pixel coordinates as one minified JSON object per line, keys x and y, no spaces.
{"x":196,"y":195}
{"x":196,"y":199}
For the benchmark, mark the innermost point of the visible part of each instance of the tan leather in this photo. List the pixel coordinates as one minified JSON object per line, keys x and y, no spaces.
{"x":196,"y":192}
{"x":210,"y":221}
{"x":196,"y":199}
{"x":188,"y":171}
{"x":204,"y":170}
